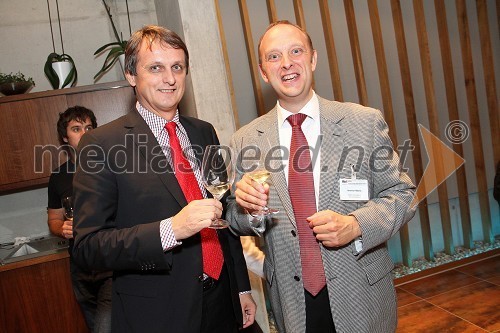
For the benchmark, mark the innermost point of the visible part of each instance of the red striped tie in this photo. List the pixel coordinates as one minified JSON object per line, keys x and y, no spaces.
{"x":210,"y":246}
{"x":301,"y":190}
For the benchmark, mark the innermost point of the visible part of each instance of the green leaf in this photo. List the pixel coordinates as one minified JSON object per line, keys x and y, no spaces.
{"x":52,"y":75}
{"x":111,"y":57}
{"x":49,"y":71}
{"x":73,"y":74}
{"x":102,"y":48}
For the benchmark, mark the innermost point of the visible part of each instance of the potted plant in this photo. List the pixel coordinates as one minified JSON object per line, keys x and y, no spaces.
{"x":116,"y":49}
{"x":59,"y":67}
{"x":13,"y":84}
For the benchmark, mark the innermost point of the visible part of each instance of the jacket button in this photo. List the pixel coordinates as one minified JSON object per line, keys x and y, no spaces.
{"x":294,"y":234}
{"x":296,"y":278}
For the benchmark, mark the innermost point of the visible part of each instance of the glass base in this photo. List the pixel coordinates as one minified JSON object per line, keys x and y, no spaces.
{"x":219,"y":224}
{"x":265,"y":211}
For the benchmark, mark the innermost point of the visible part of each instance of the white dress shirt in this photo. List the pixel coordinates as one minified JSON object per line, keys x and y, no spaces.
{"x":312,"y":131}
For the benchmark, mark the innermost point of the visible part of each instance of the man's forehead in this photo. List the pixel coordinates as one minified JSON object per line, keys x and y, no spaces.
{"x":275,"y":34}
{"x":74,"y":122}
{"x":149,"y":53}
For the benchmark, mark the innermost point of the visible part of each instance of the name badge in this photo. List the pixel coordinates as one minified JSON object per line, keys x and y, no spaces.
{"x":353,"y":189}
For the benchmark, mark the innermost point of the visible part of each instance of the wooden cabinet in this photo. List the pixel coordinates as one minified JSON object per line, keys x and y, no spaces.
{"x":36,"y":296}
{"x":29,"y":146}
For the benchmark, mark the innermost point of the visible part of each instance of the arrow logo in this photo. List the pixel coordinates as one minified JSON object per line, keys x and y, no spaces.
{"x":443,"y":162}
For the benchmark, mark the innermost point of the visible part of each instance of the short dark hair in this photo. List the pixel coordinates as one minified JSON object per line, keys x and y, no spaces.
{"x":78,"y":113}
{"x":272,"y":25}
{"x":151,"y":33}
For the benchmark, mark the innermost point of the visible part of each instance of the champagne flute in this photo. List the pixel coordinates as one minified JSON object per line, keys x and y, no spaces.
{"x":254,"y":165}
{"x":217,"y":173}
{"x":67,"y":204}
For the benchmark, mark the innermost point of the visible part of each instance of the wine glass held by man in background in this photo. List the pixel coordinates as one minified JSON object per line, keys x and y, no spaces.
{"x":67,"y":227}
{"x":67,"y":204}
{"x":217,"y":172}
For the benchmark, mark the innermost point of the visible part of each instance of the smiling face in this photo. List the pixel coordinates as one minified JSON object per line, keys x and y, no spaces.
{"x":161,"y":78}
{"x":288,"y":63}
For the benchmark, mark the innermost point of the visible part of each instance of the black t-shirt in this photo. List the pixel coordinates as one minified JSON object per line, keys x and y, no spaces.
{"x":61,"y":184}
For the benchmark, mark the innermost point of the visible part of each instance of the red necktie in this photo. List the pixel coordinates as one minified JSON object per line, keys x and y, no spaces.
{"x":301,"y":190}
{"x":210,"y":246}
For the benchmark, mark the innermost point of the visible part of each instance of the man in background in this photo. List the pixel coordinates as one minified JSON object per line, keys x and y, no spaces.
{"x":92,"y":289}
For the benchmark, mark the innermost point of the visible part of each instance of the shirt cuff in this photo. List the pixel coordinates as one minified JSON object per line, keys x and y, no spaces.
{"x":358,"y":245}
{"x":167,"y":236}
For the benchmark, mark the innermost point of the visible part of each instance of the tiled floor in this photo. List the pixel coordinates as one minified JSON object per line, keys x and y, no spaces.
{"x":462,"y":299}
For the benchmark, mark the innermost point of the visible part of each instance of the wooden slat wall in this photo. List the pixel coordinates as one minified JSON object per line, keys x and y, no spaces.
{"x":271,"y":11}
{"x":330,"y":49}
{"x":299,"y":14}
{"x":385,"y":88}
{"x":252,"y":59}
{"x":431,"y":85}
{"x":489,"y":75}
{"x":356,"y":52}
{"x":404,"y":66}
{"x":430,"y":97}
{"x":226,"y":64}
{"x":477,"y":140}
{"x":451,"y":98}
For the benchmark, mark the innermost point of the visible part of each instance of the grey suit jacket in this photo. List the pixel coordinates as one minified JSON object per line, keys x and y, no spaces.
{"x":360,"y":286}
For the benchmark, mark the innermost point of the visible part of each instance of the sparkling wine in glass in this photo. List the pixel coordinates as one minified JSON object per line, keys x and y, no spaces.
{"x":217,"y":173}
{"x":67,"y":204}
{"x":254,"y":165}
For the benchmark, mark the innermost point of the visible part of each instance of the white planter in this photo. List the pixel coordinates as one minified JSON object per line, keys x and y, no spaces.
{"x":121,"y":58}
{"x":62,"y":70}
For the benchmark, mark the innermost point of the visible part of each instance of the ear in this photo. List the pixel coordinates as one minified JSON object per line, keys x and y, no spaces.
{"x":263,"y":74}
{"x":314,"y":60}
{"x":130,"y":78}
{"x":65,"y":139}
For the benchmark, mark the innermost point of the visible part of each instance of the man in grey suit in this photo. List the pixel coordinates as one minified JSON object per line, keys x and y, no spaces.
{"x":327,"y":265}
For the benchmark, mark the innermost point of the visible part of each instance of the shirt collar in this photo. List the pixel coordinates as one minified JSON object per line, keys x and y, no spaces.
{"x":311,"y":110}
{"x":155,"y":122}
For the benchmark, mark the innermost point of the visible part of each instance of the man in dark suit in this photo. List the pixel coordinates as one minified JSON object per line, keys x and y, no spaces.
{"x":142,"y":212}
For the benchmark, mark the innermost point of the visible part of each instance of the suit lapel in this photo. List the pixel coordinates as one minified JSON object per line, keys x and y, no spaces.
{"x":153,"y":154}
{"x":331,"y":150}
{"x":195,"y":139}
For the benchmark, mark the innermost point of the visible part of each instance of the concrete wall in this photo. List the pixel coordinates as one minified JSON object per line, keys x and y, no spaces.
{"x":26,"y":36}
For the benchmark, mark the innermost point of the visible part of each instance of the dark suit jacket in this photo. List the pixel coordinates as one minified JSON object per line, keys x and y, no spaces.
{"x":123,"y":188}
